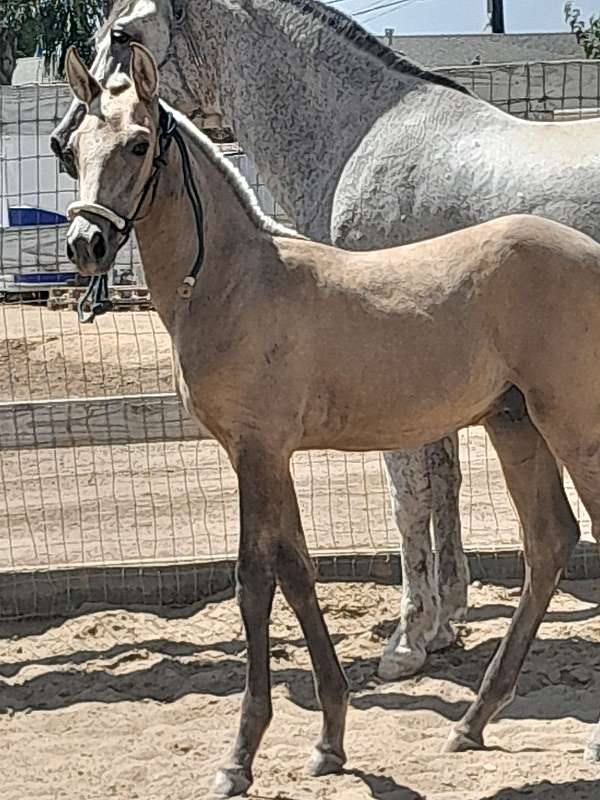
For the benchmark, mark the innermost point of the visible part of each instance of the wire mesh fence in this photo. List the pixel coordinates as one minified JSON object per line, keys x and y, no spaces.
{"x":98,"y":464}
{"x":538,"y":90}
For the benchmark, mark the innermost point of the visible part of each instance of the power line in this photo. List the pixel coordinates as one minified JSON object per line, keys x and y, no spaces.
{"x":392,"y":4}
{"x":377,"y":15}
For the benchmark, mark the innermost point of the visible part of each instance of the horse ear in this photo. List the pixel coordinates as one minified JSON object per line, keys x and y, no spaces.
{"x":144,"y":72}
{"x":83,"y":84}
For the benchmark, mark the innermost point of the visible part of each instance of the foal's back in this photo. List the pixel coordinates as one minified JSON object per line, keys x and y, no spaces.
{"x":415,"y":341}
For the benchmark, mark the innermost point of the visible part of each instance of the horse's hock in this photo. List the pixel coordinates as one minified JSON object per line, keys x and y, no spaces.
{"x":108,"y":496}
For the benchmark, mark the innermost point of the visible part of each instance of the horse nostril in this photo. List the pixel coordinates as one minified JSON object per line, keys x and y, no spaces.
{"x":98,"y":247}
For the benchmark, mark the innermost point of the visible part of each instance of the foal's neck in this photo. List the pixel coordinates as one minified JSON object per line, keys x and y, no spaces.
{"x":167,"y":235}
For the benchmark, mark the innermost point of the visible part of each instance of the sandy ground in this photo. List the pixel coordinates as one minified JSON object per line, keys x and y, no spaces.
{"x":177,"y":500}
{"x":137,"y":705}
{"x":49,"y":355}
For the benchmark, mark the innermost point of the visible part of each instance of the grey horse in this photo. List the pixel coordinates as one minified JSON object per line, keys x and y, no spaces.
{"x":363,"y":149}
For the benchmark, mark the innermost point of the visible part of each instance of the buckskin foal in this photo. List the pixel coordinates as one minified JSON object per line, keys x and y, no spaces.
{"x":286,"y":344}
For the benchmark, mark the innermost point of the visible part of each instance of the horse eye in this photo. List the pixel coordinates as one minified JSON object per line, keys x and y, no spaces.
{"x":120,"y":36}
{"x":141,"y":148}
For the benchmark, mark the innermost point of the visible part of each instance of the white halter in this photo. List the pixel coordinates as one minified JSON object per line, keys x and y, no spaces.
{"x":78,"y":206}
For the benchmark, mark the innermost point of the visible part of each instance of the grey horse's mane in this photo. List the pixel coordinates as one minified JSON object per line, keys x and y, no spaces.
{"x":119,"y":7}
{"x":233,"y":177}
{"x":347,"y":27}
{"x":340,"y":23}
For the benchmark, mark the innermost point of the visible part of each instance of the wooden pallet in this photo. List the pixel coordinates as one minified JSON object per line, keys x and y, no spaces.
{"x":124,"y":298}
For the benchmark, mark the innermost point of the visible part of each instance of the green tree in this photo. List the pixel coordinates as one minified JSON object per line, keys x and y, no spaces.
{"x":52,"y":25}
{"x":587,"y":33}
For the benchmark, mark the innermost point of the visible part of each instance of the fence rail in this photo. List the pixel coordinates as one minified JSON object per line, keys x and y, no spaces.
{"x":96,"y":421}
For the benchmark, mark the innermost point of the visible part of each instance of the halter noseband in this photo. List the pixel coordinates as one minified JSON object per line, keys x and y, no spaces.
{"x":98,"y":286}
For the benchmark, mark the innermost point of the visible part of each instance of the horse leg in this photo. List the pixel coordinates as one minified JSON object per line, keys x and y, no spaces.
{"x":296,"y":576}
{"x":255,"y":578}
{"x":410,"y":489}
{"x":550,"y":532}
{"x":582,"y":460}
{"x":452,"y":567}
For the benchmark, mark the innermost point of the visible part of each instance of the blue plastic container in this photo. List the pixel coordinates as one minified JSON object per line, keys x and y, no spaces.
{"x":44,"y":277}
{"x":19,"y":216}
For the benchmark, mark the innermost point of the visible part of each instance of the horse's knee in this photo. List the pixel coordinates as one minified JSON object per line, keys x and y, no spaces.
{"x":254,"y":585}
{"x":296,"y":572}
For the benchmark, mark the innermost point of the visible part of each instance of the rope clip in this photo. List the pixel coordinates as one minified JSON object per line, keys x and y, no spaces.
{"x":185,"y":289}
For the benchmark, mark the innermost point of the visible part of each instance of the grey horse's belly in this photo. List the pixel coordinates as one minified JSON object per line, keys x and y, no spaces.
{"x":404,"y":185}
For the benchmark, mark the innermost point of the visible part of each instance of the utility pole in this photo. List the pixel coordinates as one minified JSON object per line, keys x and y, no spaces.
{"x":498,"y":16}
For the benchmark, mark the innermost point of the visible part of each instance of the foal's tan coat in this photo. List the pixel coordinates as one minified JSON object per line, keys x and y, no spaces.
{"x":287,"y":344}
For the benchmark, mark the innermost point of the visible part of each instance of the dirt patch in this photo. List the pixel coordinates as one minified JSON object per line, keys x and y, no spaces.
{"x":50,"y":355}
{"x":136,"y":705}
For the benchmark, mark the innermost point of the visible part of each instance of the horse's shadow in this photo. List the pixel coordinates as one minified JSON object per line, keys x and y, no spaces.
{"x":385,"y":788}
{"x":572,"y":790}
{"x":576,"y":671}
{"x":166,"y":670}
{"x":183,"y":668}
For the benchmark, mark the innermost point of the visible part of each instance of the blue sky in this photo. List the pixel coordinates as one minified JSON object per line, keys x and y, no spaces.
{"x":465,"y":16}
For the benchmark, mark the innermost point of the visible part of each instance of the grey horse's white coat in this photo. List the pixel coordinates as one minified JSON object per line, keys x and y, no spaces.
{"x":364,"y":149}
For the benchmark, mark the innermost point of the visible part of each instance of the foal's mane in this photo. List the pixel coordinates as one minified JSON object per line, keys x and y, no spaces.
{"x":233,"y":177}
{"x":342,"y":25}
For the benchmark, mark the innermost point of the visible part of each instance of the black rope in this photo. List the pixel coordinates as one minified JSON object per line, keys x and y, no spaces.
{"x":97,"y":294}
{"x":190,"y":186}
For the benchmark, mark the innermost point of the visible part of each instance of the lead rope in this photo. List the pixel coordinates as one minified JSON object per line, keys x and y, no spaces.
{"x":97,"y":292}
{"x":186,"y":288}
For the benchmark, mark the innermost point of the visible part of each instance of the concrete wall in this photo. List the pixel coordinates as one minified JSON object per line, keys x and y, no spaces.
{"x":450,"y":51}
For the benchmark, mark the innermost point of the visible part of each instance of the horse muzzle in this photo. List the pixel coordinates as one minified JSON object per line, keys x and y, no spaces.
{"x":92,"y":244}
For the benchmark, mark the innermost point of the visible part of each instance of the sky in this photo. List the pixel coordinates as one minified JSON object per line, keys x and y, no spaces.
{"x":465,"y":16}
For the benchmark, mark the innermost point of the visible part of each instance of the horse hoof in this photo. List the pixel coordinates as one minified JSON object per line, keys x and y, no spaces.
{"x":460,"y":743}
{"x":322,"y":763}
{"x":444,"y":638}
{"x":401,"y":663}
{"x":231,"y":782}
{"x":592,"y":753}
